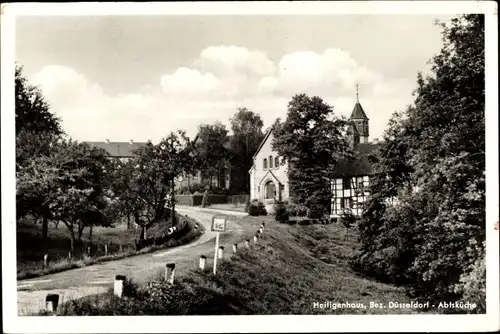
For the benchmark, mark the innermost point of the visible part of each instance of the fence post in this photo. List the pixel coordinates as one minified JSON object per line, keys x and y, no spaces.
{"x":263,"y":225}
{"x":247,"y":243}
{"x":118,"y":288}
{"x":88,"y":250}
{"x":261,"y":230}
{"x":105,"y":249}
{"x":221,"y":252}
{"x":45,"y":260}
{"x":255,"y":238}
{"x":203,"y":261}
{"x":69,"y":255}
{"x":121,"y":248}
{"x":170,"y":273}
{"x":51,"y":302}
{"x":235,"y":248}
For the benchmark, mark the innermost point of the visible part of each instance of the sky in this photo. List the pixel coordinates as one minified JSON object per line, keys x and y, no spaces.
{"x":140,"y":77}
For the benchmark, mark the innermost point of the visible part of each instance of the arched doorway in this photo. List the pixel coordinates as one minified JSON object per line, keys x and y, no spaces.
{"x":269,"y":190}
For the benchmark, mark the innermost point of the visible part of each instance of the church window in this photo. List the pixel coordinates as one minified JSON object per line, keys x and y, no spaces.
{"x":270,"y":161}
{"x":276,"y":162}
{"x":264,"y":164}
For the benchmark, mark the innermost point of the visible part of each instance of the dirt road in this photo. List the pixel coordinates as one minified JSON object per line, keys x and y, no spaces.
{"x":98,"y":278}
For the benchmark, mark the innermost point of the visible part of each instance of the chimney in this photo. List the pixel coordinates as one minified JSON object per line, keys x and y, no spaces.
{"x":131,"y":141}
{"x":107,"y":141}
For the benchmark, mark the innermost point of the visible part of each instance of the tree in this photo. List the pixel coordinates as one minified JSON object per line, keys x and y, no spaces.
{"x":212,"y":150}
{"x":67,"y":185}
{"x":424,"y":223}
{"x":312,"y":140}
{"x":147,"y":186}
{"x":246,"y":127}
{"x":32,"y":111}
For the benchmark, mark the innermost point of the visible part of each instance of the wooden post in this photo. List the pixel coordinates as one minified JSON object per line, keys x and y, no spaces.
{"x":247,"y":243}
{"x":221,"y":252}
{"x":118,"y":288}
{"x":235,"y":248}
{"x":170,"y":273}
{"x":203,"y":261}
{"x":51,"y":302}
{"x":69,"y":255}
{"x":255,"y":238}
{"x":263,"y":225}
{"x":88,"y":250}
{"x":216,"y":250}
{"x":45,"y":260}
{"x":106,"y":249}
{"x":261,"y":230}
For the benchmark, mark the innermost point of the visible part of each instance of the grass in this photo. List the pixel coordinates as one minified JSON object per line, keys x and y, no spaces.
{"x":31,"y":247}
{"x":229,"y":207}
{"x":289,"y":270}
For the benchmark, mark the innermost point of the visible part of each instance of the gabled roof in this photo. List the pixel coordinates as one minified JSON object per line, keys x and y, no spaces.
{"x":272,"y":174}
{"x":360,"y":164}
{"x":262,"y":143}
{"x":118,"y":149}
{"x":358,"y":112}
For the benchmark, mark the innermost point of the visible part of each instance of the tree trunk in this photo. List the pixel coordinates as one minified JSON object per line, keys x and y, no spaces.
{"x":71,"y":235}
{"x":143,"y":232}
{"x":128,"y":221}
{"x":45,"y":227}
{"x":90,"y":232}
{"x":80,"y":231}
{"x":173,"y":204}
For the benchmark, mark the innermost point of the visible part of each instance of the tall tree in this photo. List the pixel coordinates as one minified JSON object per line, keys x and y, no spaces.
{"x":432,"y":165}
{"x":246,"y":127}
{"x":312,"y":140}
{"x":32,"y":110}
{"x":212,"y":149}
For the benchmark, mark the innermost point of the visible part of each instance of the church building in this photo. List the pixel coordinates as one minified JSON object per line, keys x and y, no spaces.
{"x":350,"y":180}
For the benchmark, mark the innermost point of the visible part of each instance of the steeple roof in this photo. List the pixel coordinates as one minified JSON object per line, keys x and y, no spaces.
{"x":358,"y":112}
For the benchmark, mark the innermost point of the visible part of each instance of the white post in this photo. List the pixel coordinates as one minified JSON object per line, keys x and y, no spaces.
{"x":203,"y":261}
{"x":51,"y":302}
{"x":121,"y":248}
{"x":247,"y":243}
{"x":46,"y":260}
{"x":215,"y":255}
{"x":255,"y":238}
{"x":69,"y":255}
{"x":235,"y":248}
{"x":261,"y":230}
{"x":118,"y":288}
{"x":263,"y":225}
{"x":170,"y":273}
{"x":88,"y":251}
{"x":221,"y":252}
{"x":106,"y":249}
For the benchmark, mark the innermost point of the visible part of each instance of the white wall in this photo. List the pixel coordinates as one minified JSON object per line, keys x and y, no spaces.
{"x":258,"y":173}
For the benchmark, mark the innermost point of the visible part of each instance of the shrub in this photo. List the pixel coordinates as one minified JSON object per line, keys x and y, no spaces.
{"x":292,"y":209}
{"x":280,"y":212}
{"x":253,"y":210}
{"x":472,"y":285}
{"x":262,"y":209}
{"x":304,"y":222}
{"x":315,"y":211}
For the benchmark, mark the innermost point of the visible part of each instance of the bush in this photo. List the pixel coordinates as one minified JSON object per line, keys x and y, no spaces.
{"x":315,"y":211}
{"x":262,"y":209}
{"x":253,"y":210}
{"x":280,"y":212}
{"x":472,"y":285}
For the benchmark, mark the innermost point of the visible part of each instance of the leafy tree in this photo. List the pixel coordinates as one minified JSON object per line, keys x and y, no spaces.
{"x":424,"y":223}
{"x":32,"y":111}
{"x":67,"y":186}
{"x":147,"y":183}
{"x":312,"y":140}
{"x":246,"y":127}
{"x":212,"y":151}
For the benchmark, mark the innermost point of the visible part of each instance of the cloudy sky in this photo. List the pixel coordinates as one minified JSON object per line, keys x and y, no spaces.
{"x":139,"y":77}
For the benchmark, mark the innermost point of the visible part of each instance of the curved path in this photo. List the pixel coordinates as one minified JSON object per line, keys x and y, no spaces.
{"x":77,"y":283}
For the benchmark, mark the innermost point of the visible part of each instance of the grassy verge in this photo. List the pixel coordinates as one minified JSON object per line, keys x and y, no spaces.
{"x":291,"y":270}
{"x":122,"y":247}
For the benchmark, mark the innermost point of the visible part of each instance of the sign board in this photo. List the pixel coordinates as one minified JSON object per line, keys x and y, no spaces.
{"x":218,"y":224}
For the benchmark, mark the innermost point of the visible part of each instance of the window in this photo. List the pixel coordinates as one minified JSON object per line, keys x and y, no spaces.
{"x":265,"y":164}
{"x":270,"y":161}
{"x":346,"y":182}
{"x":276,"y":162}
{"x":270,"y":188}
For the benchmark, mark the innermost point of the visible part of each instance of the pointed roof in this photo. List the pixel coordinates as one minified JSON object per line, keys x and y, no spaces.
{"x":262,"y":142}
{"x":358,"y":112}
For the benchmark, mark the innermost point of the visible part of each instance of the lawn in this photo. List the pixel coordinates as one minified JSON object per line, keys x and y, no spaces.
{"x":228,"y":207}
{"x":119,"y":241}
{"x":291,"y":270}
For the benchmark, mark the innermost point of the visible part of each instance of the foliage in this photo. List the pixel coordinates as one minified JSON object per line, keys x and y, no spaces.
{"x":253,"y":210}
{"x":472,"y":284}
{"x":246,"y":127}
{"x":424,"y":223}
{"x":206,"y":199}
{"x":262,"y":208}
{"x":212,"y":154}
{"x":32,"y":111}
{"x":280,"y":212}
{"x":311,"y":139}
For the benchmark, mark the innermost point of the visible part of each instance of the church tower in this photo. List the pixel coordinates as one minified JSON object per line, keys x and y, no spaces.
{"x":359,"y":122}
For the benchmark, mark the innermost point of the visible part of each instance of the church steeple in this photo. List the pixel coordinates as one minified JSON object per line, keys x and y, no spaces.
{"x":359,"y":120}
